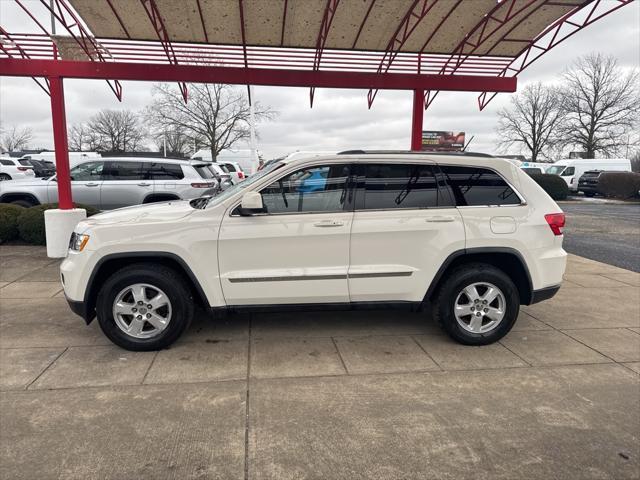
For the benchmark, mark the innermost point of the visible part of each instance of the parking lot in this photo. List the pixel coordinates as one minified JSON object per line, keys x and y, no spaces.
{"x":322,"y":395}
{"x":605,"y":231}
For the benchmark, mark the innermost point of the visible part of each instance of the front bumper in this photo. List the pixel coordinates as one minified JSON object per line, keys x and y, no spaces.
{"x":80,"y":308}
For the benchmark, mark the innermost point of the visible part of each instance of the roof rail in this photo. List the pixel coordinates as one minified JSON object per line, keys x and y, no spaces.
{"x":413,"y":152}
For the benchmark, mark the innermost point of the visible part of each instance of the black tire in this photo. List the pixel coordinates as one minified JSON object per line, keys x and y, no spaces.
{"x":23,"y":203}
{"x":164,"y":278}
{"x":589,"y":194}
{"x":4,"y":176}
{"x":453,"y":285}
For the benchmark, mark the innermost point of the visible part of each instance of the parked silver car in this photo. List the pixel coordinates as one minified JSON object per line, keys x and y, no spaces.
{"x":115,"y":182}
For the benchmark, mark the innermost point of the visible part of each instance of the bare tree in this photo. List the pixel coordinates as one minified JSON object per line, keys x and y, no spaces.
{"x":217,"y":114}
{"x":15,"y":138}
{"x":531,"y":120}
{"x":114,"y":131}
{"x":176,"y":139}
{"x":600,"y":102}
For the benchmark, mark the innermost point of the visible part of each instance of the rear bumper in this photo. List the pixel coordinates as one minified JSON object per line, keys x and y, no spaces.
{"x":544,"y":294}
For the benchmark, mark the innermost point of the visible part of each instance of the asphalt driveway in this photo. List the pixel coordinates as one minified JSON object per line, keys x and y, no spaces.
{"x":606,"y":232}
{"x":330,"y":395}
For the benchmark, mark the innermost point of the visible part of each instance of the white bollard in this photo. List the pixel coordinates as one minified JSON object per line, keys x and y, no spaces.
{"x":58,"y":226}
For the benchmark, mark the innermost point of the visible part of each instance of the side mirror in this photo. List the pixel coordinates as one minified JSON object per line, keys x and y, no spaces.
{"x":251,"y":204}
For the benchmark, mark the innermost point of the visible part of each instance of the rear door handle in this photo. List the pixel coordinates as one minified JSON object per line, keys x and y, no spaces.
{"x":329,"y":223}
{"x":440,"y":219}
{"x":143,"y":184}
{"x":91,"y":184}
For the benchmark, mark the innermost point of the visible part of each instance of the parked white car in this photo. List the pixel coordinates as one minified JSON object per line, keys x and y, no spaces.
{"x":235,"y":171}
{"x":572,"y":170}
{"x":15,"y":169}
{"x":469,"y":237}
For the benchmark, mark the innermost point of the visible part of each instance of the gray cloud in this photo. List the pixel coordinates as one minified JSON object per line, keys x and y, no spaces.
{"x":339,"y":119}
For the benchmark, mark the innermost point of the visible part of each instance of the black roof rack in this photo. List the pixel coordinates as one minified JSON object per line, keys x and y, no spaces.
{"x":384,"y":152}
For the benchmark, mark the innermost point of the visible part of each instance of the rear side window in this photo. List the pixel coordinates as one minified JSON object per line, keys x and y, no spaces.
{"x":165,"y":171}
{"x":204,"y":171}
{"x":25,"y":162}
{"x":8,"y":163}
{"x":473,"y":186}
{"x":399,"y":186}
{"x":125,"y":171}
{"x":229,"y":167}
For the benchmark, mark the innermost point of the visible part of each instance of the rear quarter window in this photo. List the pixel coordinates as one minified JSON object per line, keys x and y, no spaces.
{"x":473,"y":186}
{"x":166,"y":171}
{"x":204,"y":171}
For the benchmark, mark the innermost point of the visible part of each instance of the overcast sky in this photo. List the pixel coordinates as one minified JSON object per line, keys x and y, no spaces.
{"x":339,"y":119}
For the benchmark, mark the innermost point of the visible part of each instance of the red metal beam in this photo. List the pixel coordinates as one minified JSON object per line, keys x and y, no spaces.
{"x":325,"y":25}
{"x":418,"y":10}
{"x":459,"y":52}
{"x":59,"y":121}
{"x":364,"y":20}
{"x":284,"y":21}
{"x":85,"y":40}
{"x":14,"y":46}
{"x":244,"y":44}
{"x":255,"y":76}
{"x":551,"y":37}
{"x":416,"y":120}
{"x":115,"y":12}
{"x":158,"y":25}
{"x":204,"y":28}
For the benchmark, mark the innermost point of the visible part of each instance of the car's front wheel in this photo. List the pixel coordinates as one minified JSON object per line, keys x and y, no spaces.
{"x":144,"y":307}
{"x":477,"y":304}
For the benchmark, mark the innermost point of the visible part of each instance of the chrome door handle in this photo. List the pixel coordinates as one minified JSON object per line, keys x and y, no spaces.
{"x":440,"y":219}
{"x":144,"y":184}
{"x":91,"y":184}
{"x":329,"y":223}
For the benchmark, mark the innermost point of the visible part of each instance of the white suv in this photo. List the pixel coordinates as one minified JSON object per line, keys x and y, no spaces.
{"x":469,"y":238}
{"x":15,"y":169}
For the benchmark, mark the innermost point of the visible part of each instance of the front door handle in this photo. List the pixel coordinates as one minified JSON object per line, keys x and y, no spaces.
{"x":91,"y":184}
{"x":143,"y":184}
{"x":440,"y":219}
{"x":329,"y":223}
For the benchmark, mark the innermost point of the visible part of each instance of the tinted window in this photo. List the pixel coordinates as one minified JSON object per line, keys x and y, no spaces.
{"x":86,"y":172}
{"x":125,"y":171}
{"x":569,"y":171}
{"x":229,"y":167}
{"x":204,"y":171}
{"x":25,"y":162}
{"x":7,"y":162}
{"x":479,"y":186}
{"x":400,"y":186}
{"x":165,"y":171}
{"x":311,"y":189}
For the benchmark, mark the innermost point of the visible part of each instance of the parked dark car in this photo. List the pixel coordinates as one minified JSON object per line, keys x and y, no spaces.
{"x":42,"y":168}
{"x":588,"y":182}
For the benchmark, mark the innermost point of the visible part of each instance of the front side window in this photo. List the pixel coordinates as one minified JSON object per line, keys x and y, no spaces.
{"x":473,"y":186}
{"x":400,"y":186}
{"x":569,"y":171}
{"x":125,"y":171}
{"x":87,"y":172}
{"x":311,"y":189}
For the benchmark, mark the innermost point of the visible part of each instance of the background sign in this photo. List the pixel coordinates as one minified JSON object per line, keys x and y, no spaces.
{"x":439,"y":141}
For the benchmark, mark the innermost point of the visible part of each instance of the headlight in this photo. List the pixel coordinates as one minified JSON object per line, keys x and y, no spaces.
{"x":78,"y":241}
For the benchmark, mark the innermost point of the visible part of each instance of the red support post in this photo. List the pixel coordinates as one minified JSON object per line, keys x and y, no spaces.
{"x":59,"y":121}
{"x":416,"y":120}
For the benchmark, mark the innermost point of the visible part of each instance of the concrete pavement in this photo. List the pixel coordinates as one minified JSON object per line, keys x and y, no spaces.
{"x":348,"y":395}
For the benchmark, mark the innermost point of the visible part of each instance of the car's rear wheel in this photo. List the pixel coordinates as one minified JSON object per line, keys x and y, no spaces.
{"x":477,"y":304}
{"x":4,"y":176}
{"x":144,"y":307}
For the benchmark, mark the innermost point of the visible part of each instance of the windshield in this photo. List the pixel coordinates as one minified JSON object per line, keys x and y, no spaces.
{"x":557,"y":170}
{"x":229,"y":192}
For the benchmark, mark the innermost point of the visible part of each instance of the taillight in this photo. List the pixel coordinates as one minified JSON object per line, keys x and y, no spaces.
{"x":203,"y":185}
{"x":23,"y":169}
{"x":240,"y":174}
{"x":556,"y":222}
